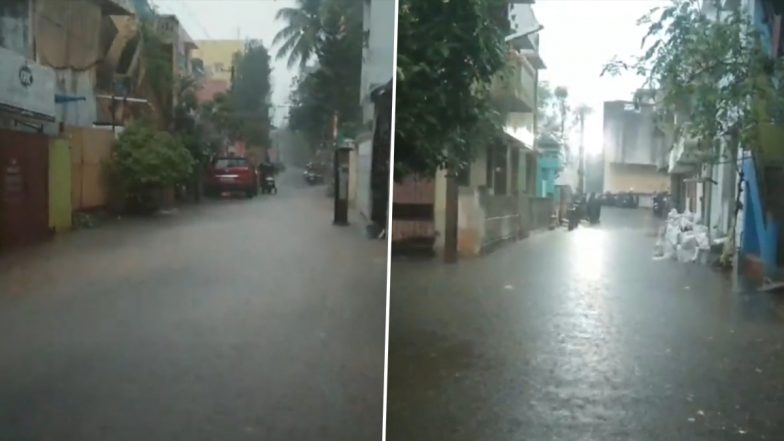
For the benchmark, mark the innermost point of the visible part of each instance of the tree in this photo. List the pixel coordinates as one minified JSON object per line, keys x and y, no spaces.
{"x":332,"y":89}
{"x":309,"y":112}
{"x":146,"y":161}
{"x":448,"y":53}
{"x":300,"y":39}
{"x":561,"y":94}
{"x":158,"y":69}
{"x":250,"y":94}
{"x":713,"y":71}
{"x":550,"y":116}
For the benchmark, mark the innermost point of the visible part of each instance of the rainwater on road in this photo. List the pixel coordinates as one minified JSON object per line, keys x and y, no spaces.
{"x":232,"y":320}
{"x":582,"y":336}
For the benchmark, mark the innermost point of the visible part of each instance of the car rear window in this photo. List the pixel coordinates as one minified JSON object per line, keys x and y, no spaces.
{"x":230,"y":163}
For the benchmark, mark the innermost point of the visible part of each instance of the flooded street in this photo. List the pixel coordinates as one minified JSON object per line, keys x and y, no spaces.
{"x":232,"y":320}
{"x":581,"y":336}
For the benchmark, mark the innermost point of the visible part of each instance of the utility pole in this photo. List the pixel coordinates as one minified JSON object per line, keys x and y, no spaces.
{"x":581,"y":111}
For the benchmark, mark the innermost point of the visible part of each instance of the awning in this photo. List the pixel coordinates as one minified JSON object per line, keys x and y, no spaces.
{"x":61,"y":99}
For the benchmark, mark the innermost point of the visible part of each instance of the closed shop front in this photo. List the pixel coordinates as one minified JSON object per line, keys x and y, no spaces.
{"x":27,"y":111}
{"x":24,"y":197}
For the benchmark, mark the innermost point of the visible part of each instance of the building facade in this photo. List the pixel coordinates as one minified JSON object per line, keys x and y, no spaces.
{"x":372,"y":155}
{"x":634,"y":149}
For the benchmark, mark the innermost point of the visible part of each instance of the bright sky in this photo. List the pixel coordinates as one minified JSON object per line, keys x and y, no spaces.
{"x":578,"y":38}
{"x":232,"y":19}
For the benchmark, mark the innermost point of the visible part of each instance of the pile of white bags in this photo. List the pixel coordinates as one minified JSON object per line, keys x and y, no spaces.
{"x":682,"y":238}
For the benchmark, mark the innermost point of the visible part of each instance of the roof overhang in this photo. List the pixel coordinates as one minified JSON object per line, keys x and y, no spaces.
{"x":520,"y":41}
{"x":515,"y":141}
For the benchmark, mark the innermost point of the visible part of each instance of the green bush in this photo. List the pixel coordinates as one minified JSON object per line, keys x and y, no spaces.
{"x":145,"y":162}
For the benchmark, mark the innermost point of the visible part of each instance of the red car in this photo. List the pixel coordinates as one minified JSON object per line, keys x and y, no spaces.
{"x":232,"y":174}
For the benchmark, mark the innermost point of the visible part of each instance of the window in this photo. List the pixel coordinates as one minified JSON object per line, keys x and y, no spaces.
{"x":230,"y":163}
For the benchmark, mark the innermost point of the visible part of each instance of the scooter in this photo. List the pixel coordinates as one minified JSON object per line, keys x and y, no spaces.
{"x":313,"y":178}
{"x":268,"y":185}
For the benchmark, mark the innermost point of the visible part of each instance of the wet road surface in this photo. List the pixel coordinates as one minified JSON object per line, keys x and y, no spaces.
{"x":233,"y":320}
{"x":581,"y":336}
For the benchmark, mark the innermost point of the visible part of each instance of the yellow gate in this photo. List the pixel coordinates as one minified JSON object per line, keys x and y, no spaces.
{"x":60,"y":185}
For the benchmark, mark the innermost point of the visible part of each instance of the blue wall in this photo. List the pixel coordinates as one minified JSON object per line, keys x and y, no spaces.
{"x":548,"y":165}
{"x":760,"y":232}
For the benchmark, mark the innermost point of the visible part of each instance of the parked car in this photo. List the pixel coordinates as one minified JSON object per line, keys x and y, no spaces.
{"x":231,"y":174}
{"x":608,"y":199}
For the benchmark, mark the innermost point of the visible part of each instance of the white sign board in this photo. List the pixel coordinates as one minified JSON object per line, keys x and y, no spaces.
{"x":26,"y":88}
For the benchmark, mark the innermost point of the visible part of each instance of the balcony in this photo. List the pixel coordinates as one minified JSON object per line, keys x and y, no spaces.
{"x":514,"y":88}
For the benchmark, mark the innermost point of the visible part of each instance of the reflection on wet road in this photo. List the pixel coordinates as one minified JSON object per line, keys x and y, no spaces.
{"x":234,"y":320}
{"x":581,"y":336}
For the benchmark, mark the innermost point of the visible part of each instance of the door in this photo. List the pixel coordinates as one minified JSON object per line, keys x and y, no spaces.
{"x":24,"y":200}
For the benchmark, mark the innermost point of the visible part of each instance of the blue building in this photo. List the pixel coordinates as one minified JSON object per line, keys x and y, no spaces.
{"x":762,"y":212}
{"x":549,"y":165}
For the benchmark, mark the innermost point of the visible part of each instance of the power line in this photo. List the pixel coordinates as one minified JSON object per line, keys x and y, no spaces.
{"x":195,"y":19}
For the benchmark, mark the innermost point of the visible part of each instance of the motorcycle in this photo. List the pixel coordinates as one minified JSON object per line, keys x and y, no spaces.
{"x":576,"y":213}
{"x":268,"y":185}
{"x":661,"y":204}
{"x":313,"y":178}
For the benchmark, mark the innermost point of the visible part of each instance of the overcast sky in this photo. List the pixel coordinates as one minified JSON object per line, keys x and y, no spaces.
{"x":579,"y":37}
{"x":231,"y":19}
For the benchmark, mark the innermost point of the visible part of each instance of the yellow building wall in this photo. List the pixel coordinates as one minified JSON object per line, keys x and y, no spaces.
{"x":60,"y":208}
{"x":218,"y":56}
{"x":90,"y":149}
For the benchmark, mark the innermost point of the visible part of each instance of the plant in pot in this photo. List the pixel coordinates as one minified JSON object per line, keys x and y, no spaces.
{"x":144,"y":164}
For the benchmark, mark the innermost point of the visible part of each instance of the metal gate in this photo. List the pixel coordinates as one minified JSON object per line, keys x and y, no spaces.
{"x":24,"y":196}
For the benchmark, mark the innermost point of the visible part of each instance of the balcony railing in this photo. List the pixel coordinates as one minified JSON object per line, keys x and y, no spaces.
{"x":513,"y":88}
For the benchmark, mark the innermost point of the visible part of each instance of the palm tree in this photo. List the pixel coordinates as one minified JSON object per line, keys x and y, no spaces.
{"x":300,"y":39}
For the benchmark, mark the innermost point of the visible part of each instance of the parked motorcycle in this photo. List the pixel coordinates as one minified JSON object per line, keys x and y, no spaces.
{"x":661,"y":204}
{"x":576,"y":213}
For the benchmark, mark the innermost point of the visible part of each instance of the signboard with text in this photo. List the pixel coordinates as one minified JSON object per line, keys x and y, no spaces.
{"x":26,"y":88}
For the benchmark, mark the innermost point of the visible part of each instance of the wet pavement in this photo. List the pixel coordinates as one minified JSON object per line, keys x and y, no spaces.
{"x":581,"y":336}
{"x":232,"y":320}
